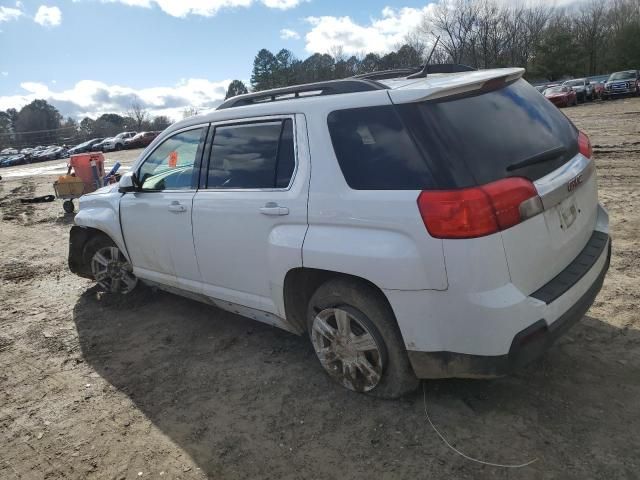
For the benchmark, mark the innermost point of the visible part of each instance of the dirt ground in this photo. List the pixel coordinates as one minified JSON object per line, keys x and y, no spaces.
{"x":156,"y":386}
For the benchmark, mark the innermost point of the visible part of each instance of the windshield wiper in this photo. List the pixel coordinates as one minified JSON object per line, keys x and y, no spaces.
{"x":538,"y":158}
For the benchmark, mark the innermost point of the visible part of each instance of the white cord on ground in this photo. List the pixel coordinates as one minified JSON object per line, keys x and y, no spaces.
{"x":424,"y":396}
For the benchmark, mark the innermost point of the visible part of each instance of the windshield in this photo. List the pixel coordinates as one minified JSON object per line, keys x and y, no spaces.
{"x":622,"y":76}
{"x":575,"y":83}
{"x":453,"y":142}
{"x":552,"y":90}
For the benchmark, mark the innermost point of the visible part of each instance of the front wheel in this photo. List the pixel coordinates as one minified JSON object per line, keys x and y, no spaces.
{"x":357,"y":340}
{"x":68,"y":206}
{"x":109,"y":267}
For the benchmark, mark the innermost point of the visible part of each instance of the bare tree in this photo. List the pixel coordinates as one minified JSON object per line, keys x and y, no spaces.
{"x":415,"y":41}
{"x":337,"y":52}
{"x":190,"y":112}
{"x":138,"y":113}
{"x":591,"y":31}
{"x":453,"y":21}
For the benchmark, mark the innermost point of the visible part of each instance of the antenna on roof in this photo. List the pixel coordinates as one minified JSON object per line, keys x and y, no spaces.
{"x":433,"y":49}
{"x":424,"y":71}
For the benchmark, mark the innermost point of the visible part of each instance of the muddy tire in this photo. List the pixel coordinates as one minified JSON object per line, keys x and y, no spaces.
{"x":357,"y":340}
{"x":110,"y":268}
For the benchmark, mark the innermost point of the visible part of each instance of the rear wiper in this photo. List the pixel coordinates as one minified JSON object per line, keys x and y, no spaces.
{"x":538,"y":158}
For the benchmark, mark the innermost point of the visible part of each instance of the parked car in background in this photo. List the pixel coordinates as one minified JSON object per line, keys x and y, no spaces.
{"x":598,"y":82}
{"x":114,"y":143}
{"x":9,"y":151}
{"x":582,"y":87}
{"x":85,"y":146}
{"x":52,"y":152}
{"x":598,"y":89}
{"x":622,"y":83}
{"x":561,"y":96}
{"x":436,"y":242}
{"x":141,"y":140}
{"x":11,"y":160}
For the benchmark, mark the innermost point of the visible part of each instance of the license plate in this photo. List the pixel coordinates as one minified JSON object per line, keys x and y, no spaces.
{"x":568,"y":212}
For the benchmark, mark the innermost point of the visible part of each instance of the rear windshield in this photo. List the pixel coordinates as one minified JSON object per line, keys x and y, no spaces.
{"x":452,"y":143}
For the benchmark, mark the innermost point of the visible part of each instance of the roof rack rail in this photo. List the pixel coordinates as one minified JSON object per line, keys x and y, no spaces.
{"x":331,"y":87}
{"x":416,"y":72}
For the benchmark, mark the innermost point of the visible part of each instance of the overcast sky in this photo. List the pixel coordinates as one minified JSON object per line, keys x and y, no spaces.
{"x":89,"y":57}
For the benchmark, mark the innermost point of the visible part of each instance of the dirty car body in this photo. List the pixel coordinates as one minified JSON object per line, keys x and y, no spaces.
{"x":460,"y":208}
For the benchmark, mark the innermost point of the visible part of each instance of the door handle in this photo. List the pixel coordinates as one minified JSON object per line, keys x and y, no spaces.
{"x":177,"y":207}
{"x":272,"y":208}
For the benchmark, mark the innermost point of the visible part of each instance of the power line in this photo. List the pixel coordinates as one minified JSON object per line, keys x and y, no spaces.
{"x":38,"y":131}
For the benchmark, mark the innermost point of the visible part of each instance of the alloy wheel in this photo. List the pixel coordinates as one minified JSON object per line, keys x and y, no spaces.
{"x":347,"y":349}
{"x":112,"y":271}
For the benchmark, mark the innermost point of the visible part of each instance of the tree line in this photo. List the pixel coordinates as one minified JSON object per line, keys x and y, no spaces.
{"x":40,"y":123}
{"x":590,"y":38}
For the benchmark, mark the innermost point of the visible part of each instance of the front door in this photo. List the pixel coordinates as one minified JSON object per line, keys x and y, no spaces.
{"x":250,"y":219}
{"x":156,"y":221}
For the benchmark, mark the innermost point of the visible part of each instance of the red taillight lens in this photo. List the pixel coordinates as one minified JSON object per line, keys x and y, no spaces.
{"x":475,"y":212}
{"x":584,"y":145}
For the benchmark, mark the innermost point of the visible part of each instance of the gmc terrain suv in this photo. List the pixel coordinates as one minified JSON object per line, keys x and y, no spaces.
{"x":414,"y":224}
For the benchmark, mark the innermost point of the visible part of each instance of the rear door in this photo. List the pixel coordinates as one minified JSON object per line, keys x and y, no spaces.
{"x":250,"y":214}
{"x":510,"y":130}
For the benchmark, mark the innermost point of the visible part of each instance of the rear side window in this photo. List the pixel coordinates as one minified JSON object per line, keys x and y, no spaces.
{"x":255,"y":155}
{"x":452,"y":143}
{"x":374,"y":150}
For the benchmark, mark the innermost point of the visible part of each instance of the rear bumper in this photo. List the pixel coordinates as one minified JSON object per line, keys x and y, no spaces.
{"x":533,"y":340}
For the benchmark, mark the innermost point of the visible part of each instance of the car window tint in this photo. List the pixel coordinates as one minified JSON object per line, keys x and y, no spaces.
{"x":170,"y":166}
{"x":256,"y":155}
{"x":286,"y":156}
{"x":479,"y":138}
{"x":374,"y":150}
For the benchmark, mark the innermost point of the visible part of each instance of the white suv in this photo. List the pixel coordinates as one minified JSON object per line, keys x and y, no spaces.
{"x":117,"y":142}
{"x":424,"y":226}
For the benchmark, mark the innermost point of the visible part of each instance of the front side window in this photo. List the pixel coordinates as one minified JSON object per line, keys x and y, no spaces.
{"x":171,"y":165}
{"x":254,"y":155}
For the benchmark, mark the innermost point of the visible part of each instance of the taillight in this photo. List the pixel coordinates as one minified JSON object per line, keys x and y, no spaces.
{"x":584,"y":145}
{"x":478,"y":211}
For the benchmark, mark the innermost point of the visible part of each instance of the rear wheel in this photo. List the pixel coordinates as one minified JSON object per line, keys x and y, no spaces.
{"x":109,"y":267}
{"x":357,"y":340}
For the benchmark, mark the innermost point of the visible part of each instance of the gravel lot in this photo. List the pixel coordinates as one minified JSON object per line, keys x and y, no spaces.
{"x":156,"y":386}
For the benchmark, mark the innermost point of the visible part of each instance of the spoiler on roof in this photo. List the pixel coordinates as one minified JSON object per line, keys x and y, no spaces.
{"x":448,"y":86}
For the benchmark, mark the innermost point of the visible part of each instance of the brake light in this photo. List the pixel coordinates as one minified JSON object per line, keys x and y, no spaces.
{"x":478,"y":211}
{"x":584,"y":145}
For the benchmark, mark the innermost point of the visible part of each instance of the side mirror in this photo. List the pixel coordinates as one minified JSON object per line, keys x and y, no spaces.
{"x":128,"y":183}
